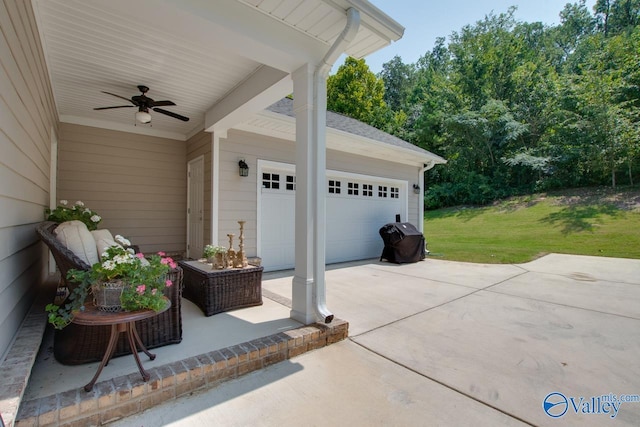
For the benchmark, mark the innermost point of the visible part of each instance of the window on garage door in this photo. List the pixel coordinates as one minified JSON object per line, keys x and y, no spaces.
{"x":334,"y":186}
{"x":278,"y":181}
{"x":353,"y":188}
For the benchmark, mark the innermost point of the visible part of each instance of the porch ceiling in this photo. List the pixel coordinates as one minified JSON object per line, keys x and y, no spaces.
{"x":198,"y":54}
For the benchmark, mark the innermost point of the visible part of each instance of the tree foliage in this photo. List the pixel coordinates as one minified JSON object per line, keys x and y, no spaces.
{"x":515,"y":107}
{"x":358,"y":93}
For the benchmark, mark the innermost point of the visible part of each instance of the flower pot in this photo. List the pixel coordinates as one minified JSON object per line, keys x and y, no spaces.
{"x":106,"y":295}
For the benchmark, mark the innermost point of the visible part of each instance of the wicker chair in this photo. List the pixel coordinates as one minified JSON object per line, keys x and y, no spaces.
{"x":77,"y":344}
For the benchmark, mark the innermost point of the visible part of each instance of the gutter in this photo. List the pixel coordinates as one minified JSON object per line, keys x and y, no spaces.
{"x":345,"y":38}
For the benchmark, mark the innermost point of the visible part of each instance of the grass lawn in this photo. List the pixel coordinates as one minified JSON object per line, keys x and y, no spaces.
{"x":583,"y":222}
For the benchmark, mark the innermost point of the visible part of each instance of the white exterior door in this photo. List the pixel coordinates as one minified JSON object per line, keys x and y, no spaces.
{"x":357,"y":206}
{"x":195,"y":208}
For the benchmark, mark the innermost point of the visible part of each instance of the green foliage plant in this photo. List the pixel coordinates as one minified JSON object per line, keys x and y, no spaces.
{"x":211,"y":251}
{"x":78,"y":211}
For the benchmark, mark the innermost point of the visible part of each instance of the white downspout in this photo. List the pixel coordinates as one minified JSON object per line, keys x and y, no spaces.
{"x":425,"y":168}
{"x":320,"y":118}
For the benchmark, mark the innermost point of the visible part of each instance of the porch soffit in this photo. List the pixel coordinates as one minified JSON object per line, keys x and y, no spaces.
{"x":200,"y":54}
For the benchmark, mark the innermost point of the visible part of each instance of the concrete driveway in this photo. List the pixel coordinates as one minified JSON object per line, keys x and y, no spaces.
{"x":451,"y":344}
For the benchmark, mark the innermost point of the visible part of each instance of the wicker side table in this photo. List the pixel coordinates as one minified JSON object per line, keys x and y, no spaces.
{"x":217,"y":291}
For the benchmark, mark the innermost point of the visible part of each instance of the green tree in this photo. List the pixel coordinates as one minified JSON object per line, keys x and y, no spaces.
{"x":433,"y":97}
{"x":484,"y":136}
{"x":484,"y":57}
{"x":598,"y":111}
{"x":398,"y":79}
{"x":617,"y":16}
{"x":576,"y":23}
{"x":356,"y":92}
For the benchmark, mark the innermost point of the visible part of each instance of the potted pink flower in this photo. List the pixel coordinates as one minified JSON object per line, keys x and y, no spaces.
{"x":121,"y":281}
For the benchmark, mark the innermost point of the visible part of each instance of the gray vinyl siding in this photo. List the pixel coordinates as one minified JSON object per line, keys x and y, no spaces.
{"x":27,"y":121}
{"x":200,"y":145}
{"x":135,"y":182}
{"x":238,"y":195}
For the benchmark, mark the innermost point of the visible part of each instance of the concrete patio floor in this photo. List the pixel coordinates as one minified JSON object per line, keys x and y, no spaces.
{"x":453,"y":344}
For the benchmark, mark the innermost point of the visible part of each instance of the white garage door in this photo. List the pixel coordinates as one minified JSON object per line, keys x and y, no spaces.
{"x":357,"y":206}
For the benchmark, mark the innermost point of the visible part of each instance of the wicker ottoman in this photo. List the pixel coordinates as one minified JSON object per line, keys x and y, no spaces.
{"x":217,"y":291}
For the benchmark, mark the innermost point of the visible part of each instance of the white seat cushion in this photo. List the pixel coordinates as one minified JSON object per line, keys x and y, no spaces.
{"x":102,"y":234}
{"x":104,"y":239}
{"x":78,"y":239}
{"x":103,"y":244}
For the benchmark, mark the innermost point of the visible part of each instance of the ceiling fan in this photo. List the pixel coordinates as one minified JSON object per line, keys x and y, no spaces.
{"x":144,"y":104}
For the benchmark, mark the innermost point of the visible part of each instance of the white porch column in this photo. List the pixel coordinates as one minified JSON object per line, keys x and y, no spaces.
{"x":310,"y":109}
{"x":215,"y":183}
{"x":309,"y":106}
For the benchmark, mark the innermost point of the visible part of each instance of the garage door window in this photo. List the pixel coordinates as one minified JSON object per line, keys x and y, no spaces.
{"x":353,"y":188}
{"x":382,"y":191}
{"x":394,"y":192}
{"x":271,"y":180}
{"x":291,"y":183}
{"x":367,"y":190}
{"x":334,"y":187}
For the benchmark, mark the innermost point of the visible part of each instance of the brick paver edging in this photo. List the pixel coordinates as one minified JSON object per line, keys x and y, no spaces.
{"x":124,"y":396}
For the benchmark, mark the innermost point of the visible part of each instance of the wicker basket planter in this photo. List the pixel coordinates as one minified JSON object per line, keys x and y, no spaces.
{"x":106,"y":295}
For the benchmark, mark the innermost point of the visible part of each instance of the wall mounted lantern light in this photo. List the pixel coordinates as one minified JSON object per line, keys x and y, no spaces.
{"x":244,"y":168}
{"x":416,"y":188}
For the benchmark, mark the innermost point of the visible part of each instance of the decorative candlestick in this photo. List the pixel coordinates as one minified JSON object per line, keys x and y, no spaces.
{"x":231,"y":253}
{"x":242,"y":258}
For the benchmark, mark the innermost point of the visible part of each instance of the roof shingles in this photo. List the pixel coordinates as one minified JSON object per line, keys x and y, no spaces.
{"x":352,"y":126}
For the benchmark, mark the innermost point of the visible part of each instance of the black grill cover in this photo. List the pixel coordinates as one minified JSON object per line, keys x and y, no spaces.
{"x":402,"y":243}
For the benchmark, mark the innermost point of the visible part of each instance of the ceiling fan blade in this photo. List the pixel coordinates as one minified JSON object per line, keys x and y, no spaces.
{"x":118,"y":96}
{"x":172,"y":114}
{"x":162,"y":103}
{"x":117,"y":106}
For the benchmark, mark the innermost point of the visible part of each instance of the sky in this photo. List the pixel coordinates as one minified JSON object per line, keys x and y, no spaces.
{"x":425,"y":20}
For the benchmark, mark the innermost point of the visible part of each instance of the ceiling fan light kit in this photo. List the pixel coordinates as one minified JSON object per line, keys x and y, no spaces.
{"x":144,"y":103}
{"x":143,"y":117}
